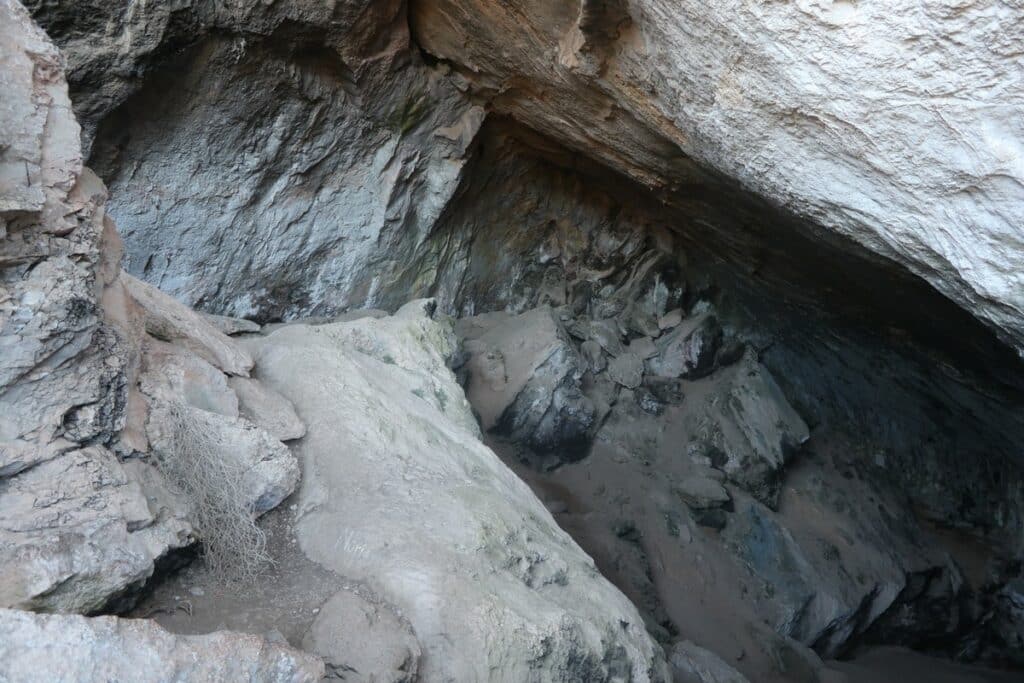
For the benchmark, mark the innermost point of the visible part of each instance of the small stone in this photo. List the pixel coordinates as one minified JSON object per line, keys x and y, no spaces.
{"x":627,"y":370}
{"x":643,"y":347}
{"x":607,"y":334}
{"x":702,"y":492}
{"x":593,"y":356}
{"x":671,"y":319}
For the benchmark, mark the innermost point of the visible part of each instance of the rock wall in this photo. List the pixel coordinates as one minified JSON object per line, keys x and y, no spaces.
{"x":894,"y":124}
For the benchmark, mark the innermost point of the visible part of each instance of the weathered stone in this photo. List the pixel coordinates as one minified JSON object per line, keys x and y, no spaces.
{"x":608,"y":335}
{"x":626,"y":369}
{"x":171,"y":321}
{"x":77,"y":530}
{"x":270,"y":470}
{"x":57,"y":647}
{"x":363,"y":640}
{"x":493,"y":589}
{"x":702,"y":492}
{"x":693,"y":664}
{"x":688,"y":351}
{"x":593,"y":355}
{"x":643,"y":347}
{"x":267,"y":409}
{"x":791,"y":105}
{"x":231,"y":326}
{"x":171,"y":373}
{"x":524,"y":380}
{"x":748,"y":429}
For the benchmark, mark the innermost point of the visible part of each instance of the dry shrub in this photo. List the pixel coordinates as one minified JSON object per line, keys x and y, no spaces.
{"x":234,"y":547}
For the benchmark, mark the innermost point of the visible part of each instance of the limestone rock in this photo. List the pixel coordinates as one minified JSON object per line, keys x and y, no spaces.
{"x":748,"y":429}
{"x":829,"y":109}
{"x":171,"y":373}
{"x":231,"y":326}
{"x":693,"y":664}
{"x":171,"y":321}
{"x":535,"y":395}
{"x":270,"y":470}
{"x":363,"y":640}
{"x":268,"y":409}
{"x":688,"y":351}
{"x":626,"y":369}
{"x":57,"y":647}
{"x":77,"y":530}
{"x":492,"y":587}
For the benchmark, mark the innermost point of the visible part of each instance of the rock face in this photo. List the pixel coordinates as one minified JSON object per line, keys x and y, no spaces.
{"x":76,"y":526}
{"x":327,"y":148}
{"x":37,"y":647}
{"x":91,"y":360}
{"x":402,"y":496}
{"x":843,"y":113}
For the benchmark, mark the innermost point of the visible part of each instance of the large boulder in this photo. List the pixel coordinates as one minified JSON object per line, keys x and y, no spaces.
{"x":39,"y":648}
{"x":400,"y":494}
{"x":524,"y":380}
{"x":848,"y":114}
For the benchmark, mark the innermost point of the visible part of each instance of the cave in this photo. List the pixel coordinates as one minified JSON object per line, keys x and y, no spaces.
{"x":794,"y":449}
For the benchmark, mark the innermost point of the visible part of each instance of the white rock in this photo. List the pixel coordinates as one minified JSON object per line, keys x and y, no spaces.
{"x":268,"y":409}
{"x":400,"y":494}
{"x":172,"y":321}
{"x":55,"y":647}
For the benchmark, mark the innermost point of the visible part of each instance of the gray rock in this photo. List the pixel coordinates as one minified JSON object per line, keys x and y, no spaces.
{"x":171,"y":321}
{"x":56,"y":647}
{"x":643,"y":347}
{"x":593,"y":355}
{"x":747,"y":428}
{"x":626,"y":369}
{"x":171,"y":373}
{"x":608,"y":335}
{"x":267,"y":409}
{"x":693,"y":664}
{"x":270,"y":470}
{"x":493,"y":588}
{"x":703,"y":492}
{"x":363,"y":640}
{"x":688,"y":351}
{"x":231,"y":326}
{"x":524,"y":380}
{"x":77,"y":530}
{"x":670,"y":319}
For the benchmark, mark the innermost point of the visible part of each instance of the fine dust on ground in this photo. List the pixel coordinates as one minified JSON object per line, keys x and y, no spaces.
{"x":284,"y":600}
{"x":898,"y":665}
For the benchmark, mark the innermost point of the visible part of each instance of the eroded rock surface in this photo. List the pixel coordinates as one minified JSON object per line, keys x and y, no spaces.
{"x":51,"y":647}
{"x":847,"y":114}
{"x":493,"y":589}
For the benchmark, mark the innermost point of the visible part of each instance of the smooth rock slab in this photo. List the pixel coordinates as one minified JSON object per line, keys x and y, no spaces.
{"x":72,"y":649}
{"x":400,"y":494}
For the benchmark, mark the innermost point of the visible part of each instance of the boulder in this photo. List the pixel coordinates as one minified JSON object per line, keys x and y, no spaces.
{"x":231,"y":326}
{"x":747,"y":428}
{"x":267,"y":409}
{"x":626,"y":369}
{"x":79,"y":529}
{"x":267,"y":470}
{"x":524,"y":380}
{"x":363,"y":640}
{"x":688,"y":351}
{"x":172,"y":373}
{"x":171,"y":321}
{"x":58,"y":647}
{"x":693,"y":664}
{"x":401,"y":495}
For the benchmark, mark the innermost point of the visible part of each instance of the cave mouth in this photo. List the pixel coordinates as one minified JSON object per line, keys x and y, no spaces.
{"x":768,"y":439}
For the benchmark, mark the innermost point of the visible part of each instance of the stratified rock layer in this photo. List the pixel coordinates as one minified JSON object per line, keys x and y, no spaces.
{"x":895,"y":124}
